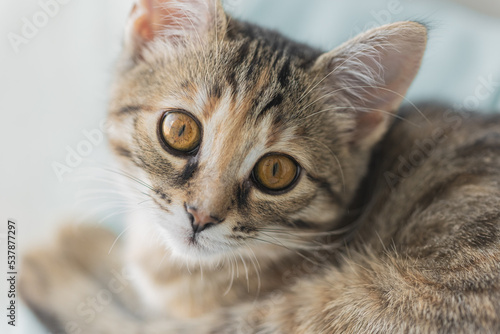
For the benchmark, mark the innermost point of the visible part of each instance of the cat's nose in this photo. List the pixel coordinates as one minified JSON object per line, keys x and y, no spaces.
{"x":201,"y":219}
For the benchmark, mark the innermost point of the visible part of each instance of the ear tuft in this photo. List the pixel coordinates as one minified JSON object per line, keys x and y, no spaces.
{"x":371,"y":73}
{"x":177,"y":22}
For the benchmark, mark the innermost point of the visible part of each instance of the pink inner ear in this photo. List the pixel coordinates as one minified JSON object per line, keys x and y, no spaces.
{"x":366,"y":122}
{"x":142,"y":24}
{"x":377,"y":69}
{"x":149,"y":18}
{"x":177,"y":21}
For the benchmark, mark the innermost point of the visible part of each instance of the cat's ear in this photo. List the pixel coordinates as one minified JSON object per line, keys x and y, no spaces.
{"x":175,"y":21}
{"x":370,"y":75}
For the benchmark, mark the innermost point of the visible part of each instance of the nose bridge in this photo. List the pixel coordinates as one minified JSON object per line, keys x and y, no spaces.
{"x":218,"y":162}
{"x":213,"y":193}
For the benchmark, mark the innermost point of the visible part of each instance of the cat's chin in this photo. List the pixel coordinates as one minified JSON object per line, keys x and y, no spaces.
{"x":196,"y":254}
{"x":191,"y":249}
{"x":184,"y":246}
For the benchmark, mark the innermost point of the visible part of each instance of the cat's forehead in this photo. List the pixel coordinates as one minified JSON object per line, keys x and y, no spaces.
{"x":257,"y":79}
{"x":243,"y":90}
{"x":237,"y":126}
{"x":254,"y":80}
{"x":248,"y":99}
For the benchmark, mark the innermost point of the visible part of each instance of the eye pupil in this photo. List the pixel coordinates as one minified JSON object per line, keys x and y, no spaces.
{"x":275,"y":169}
{"x":181,"y":131}
{"x":276,"y":172}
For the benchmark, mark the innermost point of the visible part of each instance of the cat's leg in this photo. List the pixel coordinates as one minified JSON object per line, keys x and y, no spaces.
{"x":444,"y":280}
{"x":79,"y":284}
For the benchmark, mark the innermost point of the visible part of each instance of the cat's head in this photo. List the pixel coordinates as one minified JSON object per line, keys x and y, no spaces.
{"x":243,"y":138}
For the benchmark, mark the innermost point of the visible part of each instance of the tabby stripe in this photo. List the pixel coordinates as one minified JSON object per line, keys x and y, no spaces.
{"x":139,"y":162}
{"x":278,"y":120}
{"x":490,"y":142}
{"x":188,"y":171}
{"x":276,"y":101}
{"x":327,"y":187}
{"x":237,"y":62}
{"x":130,"y":109}
{"x":284,"y":73}
{"x":162,"y":195}
{"x":483,"y":231}
{"x":277,"y":58}
{"x":157,"y":165}
{"x":121,"y":150}
{"x":242,"y":193}
{"x":233,"y":82}
{"x":438,"y":189}
{"x":215,"y":91}
{"x":242,"y":53}
{"x":160,"y":204}
{"x":254,"y":61}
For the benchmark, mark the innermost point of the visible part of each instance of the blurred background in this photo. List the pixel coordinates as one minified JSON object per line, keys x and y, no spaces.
{"x":56,"y":64}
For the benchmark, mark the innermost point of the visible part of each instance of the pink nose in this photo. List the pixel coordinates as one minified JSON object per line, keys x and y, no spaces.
{"x":200,"y":219}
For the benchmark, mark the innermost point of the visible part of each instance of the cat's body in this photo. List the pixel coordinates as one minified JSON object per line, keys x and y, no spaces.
{"x":380,"y":231}
{"x":435,"y":214}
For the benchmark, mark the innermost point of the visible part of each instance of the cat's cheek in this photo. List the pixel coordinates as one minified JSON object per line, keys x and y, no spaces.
{"x":175,"y":231}
{"x":175,"y":224}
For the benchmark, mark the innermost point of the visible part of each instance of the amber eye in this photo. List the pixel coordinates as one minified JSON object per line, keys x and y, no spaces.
{"x":276,"y":172}
{"x":181,"y":132}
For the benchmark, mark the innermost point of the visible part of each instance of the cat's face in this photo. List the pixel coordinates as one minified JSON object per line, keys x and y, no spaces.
{"x":238,"y":135}
{"x":231,"y":144}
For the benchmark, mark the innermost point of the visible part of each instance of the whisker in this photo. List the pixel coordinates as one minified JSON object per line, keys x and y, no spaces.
{"x":117,"y":213}
{"x":161,"y":261}
{"x":362,"y":109}
{"x":307,"y":244}
{"x":201,"y":269}
{"x":246,"y":272}
{"x":292,"y":250}
{"x":117,"y":238}
{"x":232,"y":276}
{"x":339,"y":231}
{"x":329,"y":94}
{"x":133,"y":178}
{"x":332,"y":72}
{"x":236,"y":263}
{"x":256,"y":266}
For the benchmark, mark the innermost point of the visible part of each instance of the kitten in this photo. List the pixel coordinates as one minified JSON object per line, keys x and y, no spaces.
{"x":287,"y":192}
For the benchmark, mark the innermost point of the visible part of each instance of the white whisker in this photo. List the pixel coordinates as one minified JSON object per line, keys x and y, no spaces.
{"x":117,"y":238}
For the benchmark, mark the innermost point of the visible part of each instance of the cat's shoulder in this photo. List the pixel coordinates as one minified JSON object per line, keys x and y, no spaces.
{"x":435,"y":126}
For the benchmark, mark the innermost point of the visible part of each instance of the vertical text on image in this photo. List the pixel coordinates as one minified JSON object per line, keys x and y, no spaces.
{"x":11,"y":245}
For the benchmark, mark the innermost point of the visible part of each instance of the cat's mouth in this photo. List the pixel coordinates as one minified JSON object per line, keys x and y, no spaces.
{"x":189,"y":245}
{"x":192,"y":240}
{"x":185,"y":243}
{"x":193,"y":249}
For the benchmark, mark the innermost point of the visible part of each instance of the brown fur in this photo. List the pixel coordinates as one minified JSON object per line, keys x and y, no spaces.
{"x":393,"y":225}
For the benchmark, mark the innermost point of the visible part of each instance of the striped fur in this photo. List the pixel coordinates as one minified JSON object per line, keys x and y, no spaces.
{"x":393,"y":225}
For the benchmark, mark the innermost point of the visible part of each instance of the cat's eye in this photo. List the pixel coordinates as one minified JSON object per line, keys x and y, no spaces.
{"x":180,"y":132}
{"x":276,"y":172}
